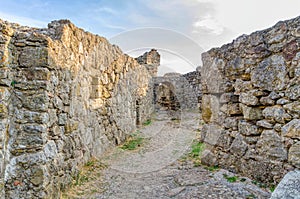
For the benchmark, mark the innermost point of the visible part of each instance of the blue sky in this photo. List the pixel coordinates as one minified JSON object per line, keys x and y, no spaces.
{"x":206,"y":23}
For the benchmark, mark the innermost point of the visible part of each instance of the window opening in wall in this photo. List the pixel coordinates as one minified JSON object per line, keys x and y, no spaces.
{"x":137,"y":105}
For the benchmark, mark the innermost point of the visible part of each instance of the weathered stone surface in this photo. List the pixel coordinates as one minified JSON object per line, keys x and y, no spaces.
{"x":265,"y":124}
{"x":293,"y":108}
{"x":293,"y":92}
{"x":262,"y":70}
{"x":251,"y":113}
{"x":31,"y":57}
{"x":229,"y":97}
{"x":292,"y":129}
{"x":66,"y":95}
{"x":208,"y":158}
{"x":212,"y":134}
{"x":270,"y":74}
{"x":294,"y":155}
{"x":231,"y":123}
{"x":288,"y":186}
{"x":248,"y":99}
{"x":231,"y":109}
{"x":282,"y":101}
{"x":212,"y":81}
{"x":276,"y":113}
{"x":210,"y":108}
{"x":267,"y":101}
{"x":238,"y":146}
{"x":271,"y":146}
{"x":247,"y":128}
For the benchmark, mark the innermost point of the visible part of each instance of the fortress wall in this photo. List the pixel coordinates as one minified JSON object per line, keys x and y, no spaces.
{"x":251,"y":103}
{"x":66,"y":96}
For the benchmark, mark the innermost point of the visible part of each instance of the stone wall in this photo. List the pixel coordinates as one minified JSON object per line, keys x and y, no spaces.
{"x":151,"y":60}
{"x":185,"y":90}
{"x":251,"y":103}
{"x":66,"y":95}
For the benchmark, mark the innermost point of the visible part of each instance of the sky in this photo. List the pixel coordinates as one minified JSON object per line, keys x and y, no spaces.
{"x":180,"y":29}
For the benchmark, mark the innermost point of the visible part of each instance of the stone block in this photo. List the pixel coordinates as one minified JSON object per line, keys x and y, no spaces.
{"x":294,"y":155}
{"x":293,"y":92}
{"x":266,"y":101}
{"x":264,"y":124}
{"x":276,"y":113}
{"x":248,"y":99}
{"x":208,"y":158}
{"x":270,"y":73}
{"x":251,"y":113}
{"x":247,"y":129}
{"x":271,"y":146}
{"x":213,"y":133}
{"x":292,"y":129}
{"x":231,"y":109}
{"x":238,"y":146}
{"x":293,"y":108}
{"x":36,"y":74}
{"x":34,"y":56}
{"x":210,"y":108}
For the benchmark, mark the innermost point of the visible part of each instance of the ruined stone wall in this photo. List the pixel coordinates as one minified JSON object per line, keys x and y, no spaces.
{"x":251,"y":103}
{"x":66,"y":95}
{"x":151,"y":60}
{"x":186,"y":88}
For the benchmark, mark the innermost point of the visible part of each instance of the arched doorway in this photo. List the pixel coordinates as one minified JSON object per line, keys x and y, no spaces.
{"x":166,"y":97}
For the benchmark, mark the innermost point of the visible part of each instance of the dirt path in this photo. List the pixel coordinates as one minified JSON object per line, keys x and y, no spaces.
{"x":156,"y":170}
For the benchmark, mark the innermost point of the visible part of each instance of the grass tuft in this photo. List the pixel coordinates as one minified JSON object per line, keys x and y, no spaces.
{"x":147,"y":122}
{"x":133,"y":142}
{"x":231,"y":179}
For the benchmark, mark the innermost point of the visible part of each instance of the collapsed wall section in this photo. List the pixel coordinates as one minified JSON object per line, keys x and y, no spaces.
{"x":251,"y":101}
{"x":66,"y":96}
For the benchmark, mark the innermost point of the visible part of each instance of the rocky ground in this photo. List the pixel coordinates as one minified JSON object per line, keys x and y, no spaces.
{"x":162,"y":166}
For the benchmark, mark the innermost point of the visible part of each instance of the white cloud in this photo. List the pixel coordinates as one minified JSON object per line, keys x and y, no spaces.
{"x":210,"y":24}
{"x":106,"y":10}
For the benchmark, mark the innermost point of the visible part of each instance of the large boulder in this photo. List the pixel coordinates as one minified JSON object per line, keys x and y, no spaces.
{"x":288,"y":188}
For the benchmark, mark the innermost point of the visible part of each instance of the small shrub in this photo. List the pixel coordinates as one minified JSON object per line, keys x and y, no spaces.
{"x":231,"y":179}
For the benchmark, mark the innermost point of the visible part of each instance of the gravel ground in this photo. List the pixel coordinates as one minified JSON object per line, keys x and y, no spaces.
{"x":156,"y":170}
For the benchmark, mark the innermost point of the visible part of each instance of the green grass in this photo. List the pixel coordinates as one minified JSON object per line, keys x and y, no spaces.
{"x":195,"y":154}
{"x":147,"y":122}
{"x":197,"y":149}
{"x":80,"y":179}
{"x":90,"y":163}
{"x":272,"y":188}
{"x":212,"y":168}
{"x":133,"y":142}
{"x":231,"y":179}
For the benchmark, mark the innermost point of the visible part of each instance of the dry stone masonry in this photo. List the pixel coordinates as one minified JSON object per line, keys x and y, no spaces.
{"x":66,"y":96}
{"x":176,"y":91}
{"x":251,"y":103}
